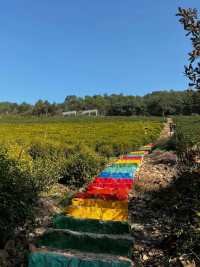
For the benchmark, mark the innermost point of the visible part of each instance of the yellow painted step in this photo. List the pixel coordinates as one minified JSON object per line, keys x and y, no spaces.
{"x":103,"y":214}
{"x":100,"y":203}
{"x":122,"y":161}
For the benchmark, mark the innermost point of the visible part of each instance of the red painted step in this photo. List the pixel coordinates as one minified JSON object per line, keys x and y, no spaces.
{"x":124,"y":178}
{"x":112,"y":186}
{"x":132,"y":157}
{"x":107,"y":194}
{"x":113,"y":181}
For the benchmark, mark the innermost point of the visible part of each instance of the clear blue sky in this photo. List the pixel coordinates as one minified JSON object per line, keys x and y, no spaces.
{"x":53,"y":48}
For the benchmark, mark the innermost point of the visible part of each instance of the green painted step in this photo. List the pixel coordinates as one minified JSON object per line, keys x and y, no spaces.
{"x":90,"y":225}
{"x":145,"y":148}
{"x":87,"y":242}
{"x":52,"y":259}
{"x":120,"y":168}
{"x":118,"y":165}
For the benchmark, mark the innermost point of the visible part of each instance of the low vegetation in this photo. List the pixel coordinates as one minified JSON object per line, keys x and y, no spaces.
{"x":103,"y":135}
{"x":21,"y":182}
{"x":188,"y":140}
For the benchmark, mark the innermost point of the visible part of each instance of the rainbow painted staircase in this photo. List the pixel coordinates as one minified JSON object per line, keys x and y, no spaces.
{"x":94,"y":230}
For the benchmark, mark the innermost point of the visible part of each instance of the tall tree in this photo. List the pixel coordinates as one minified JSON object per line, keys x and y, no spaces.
{"x":24,"y":108}
{"x":72,"y":102}
{"x":41,"y":108}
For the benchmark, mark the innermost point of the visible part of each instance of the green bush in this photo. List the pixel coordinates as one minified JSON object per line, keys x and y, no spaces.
{"x":40,"y":150}
{"x":80,"y":167}
{"x":18,"y":194}
{"x":104,"y":149}
{"x":20,"y":186}
{"x":46,"y":149}
{"x":188,"y":142}
{"x":45,"y":173}
{"x":74,"y":165}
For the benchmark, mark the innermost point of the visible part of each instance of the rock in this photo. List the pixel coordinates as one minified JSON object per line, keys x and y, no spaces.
{"x":145,"y":257}
{"x":4,"y":258}
{"x":186,"y":263}
{"x":3,"y":254}
{"x":10,"y":247}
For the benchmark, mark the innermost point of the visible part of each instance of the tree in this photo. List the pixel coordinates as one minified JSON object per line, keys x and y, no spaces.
{"x":24,"y":108}
{"x":41,"y":108}
{"x":8,"y":108}
{"x":191,"y":23}
{"x":72,"y":102}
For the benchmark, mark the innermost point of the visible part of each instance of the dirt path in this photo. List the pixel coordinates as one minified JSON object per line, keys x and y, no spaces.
{"x":149,"y":221}
{"x":166,"y":130}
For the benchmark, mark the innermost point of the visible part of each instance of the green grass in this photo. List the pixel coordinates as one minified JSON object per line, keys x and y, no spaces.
{"x":125,"y":132}
{"x":189,"y":128}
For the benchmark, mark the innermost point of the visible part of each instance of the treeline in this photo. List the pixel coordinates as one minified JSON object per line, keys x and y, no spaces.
{"x":158,"y":103}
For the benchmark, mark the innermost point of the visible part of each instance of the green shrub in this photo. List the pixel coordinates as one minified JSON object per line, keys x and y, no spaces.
{"x":20,"y":186}
{"x":40,"y":150}
{"x":45,"y":173}
{"x":188,"y":142}
{"x":46,"y":149}
{"x":117,"y":148}
{"x":104,"y":149}
{"x":80,"y":167}
{"x":18,"y":194}
{"x":74,"y":165}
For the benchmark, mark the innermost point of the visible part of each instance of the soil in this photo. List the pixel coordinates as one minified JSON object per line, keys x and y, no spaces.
{"x":153,"y":209}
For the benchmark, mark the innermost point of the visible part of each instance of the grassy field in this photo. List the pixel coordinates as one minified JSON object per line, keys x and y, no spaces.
{"x":187,"y":140}
{"x":189,"y":129}
{"x":117,"y":134}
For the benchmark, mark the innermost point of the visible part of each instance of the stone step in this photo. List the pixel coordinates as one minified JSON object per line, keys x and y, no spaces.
{"x":109,"y":185}
{"x":109,"y":194}
{"x":90,"y":225}
{"x":120,"y":245}
{"x":135,"y":165}
{"x":104,"y":214}
{"x":126,"y":161}
{"x":59,"y":258}
{"x":139,"y":152}
{"x":117,"y":182}
{"x":100,"y":203}
{"x":145,"y":148}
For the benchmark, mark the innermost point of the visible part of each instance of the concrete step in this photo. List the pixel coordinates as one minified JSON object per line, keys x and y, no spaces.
{"x":90,"y":225}
{"x":100,"y":203}
{"x":104,"y":214}
{"x":58,"y":258}
{"x":120,"y":245}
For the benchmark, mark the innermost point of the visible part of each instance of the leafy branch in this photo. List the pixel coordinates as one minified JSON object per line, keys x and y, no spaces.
{"x":189,"y":19}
